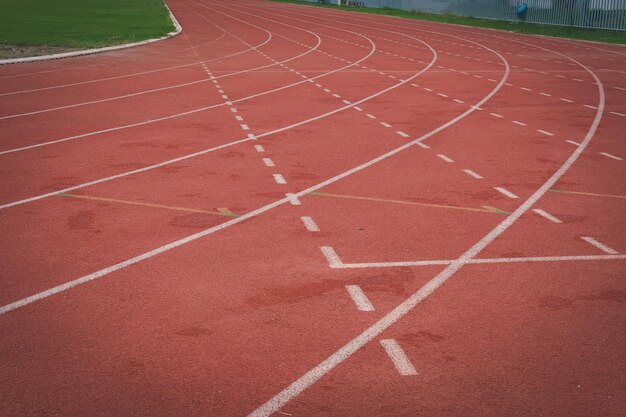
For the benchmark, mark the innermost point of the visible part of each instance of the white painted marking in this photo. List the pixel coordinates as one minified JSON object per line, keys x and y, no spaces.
{"x":371,"y":116}
{"x":293,"y":199}
{"x":309,"y":224}
{"x":505,"y":192}
{"x":415,"y":85}
{"x":428,"y":89}
{"x":318,"y":85}
{"x":220,"y":91}
{"x":618,"y":114}
{"x":547,"y":215}
{"x":259,"y":148}
{"x":268,"y":162}
{"x":572,"y":142}
{"x":608,"y":155}
{"x":423,"y":145}
{"x":578,"y":79}
{"x":357,"y":108}
{"x":559,"y":75}
{"x":359,"y":298}
{"x":599,"y":245}
{"x":327,"y":90}
{"x":245,"y":126}
{"x":545,"y":132}
{"x":519,"y":123}
{"x":620,"y":88}
{"x":279,"y":179}
{"x":590,"y":107}
{"x":459,"y":101}
{"x":331,"y":256}
{"x":445,"y":158}
{"x":251,"y":136}
{"x":496,"y":115}
{"x":336,"y":95}
{"x":566,"y":100}
{"x":472,"y":174}
{"x":526,"y":89}
{"x":385,"y":124}
{"x":546,"y":94}
{"x":398,"y":357}
{"x":401,"y":133}
{"x":233,"y":109}
{"x":442,"y":95}
{"x":224,"y":96}
{"x":239,"y":118}
{"x":346,"y":101}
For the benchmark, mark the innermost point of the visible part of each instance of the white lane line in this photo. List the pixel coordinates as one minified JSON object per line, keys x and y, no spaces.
{"x":357,"y":108}
{"x":445,"y":158}
{"x":224,"y":96}
{"x":526,"y":89}
{"x":599,"y":245}
{"x":428,"y":89}
{"x":545,"y":132}
{"x":546,"y":94}
{"x":519,"y":123}
{"x":279,"y":179}
{"x":572,"y":142}
{"x":401,"y":133}
{"x":620,"y":88}
{"x":566,"y":100}
{"x":385,"y":124}
{"x":346,"y":102}
{"x":336,"y":95}
{"x":442,"y":95}
{"x":331,"y":257}
{"x":472,"y":174}
{"x":326,"y":90}
{"x":268,"y":162}
{"x":499,"y":116}
{"x":371,"y":116}
{"x":608,"y":155}
{"x":359,"y":298}
{"x":618,"y":114}
{"x":251,"y":136}
{"x":233,"y":109}
{"x":398,"y":357}
{"x":239,"y":118}
{"x":309,"y":224}
{"x":259,"y":148}
{"x":293,"y":199}
{"x":245,"y":126}
{"x":590,"y":107}
{"x":505,"y":192}
{"x":423,"y":145}
{"x":459,"y":101}
{"x":547,"y":215}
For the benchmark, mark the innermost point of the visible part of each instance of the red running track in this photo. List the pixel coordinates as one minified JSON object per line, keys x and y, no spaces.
{"x":298,"y":211}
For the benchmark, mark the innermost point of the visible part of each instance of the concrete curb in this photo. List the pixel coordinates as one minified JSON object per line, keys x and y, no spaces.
{"x":97,"y":50}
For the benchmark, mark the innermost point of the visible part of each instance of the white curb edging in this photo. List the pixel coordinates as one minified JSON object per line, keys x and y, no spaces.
{"x":97,"y":50}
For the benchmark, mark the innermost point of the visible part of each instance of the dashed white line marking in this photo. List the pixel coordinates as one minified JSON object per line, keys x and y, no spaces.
{"x":519,"y":123}
{"x":279,"y":179}
{"x":590,"y":107}
{"x":268,"y":162}
{"x":398,"y":357}
{"x":618,"y":114}
{"x":293,"y":199}
{"x":371,"y":116}
{"x":359,"y":298}
{"x":442,"y":95}
{"x":505,"y":192}
{"x":472,"y":174}
{"x":233,"y":109}
{"x":401,"y":133}
{"x":331,"y":256}
{"x":578,"y":79}
{"x":566,"y":100}
{"x":346,"y":101}
{"x":545,"y":132}
{"x":385,"y":124}
{"x":309,"y":224}
{"x":620,"y":88}
{"x":599,"y":245}
{"x":239,"y":118}
{"x":547,"y":215}
{"x":423,"y":145}
{"x":357,"y":108}
{"x":496,"y":115}
{"x":259,"y":148}
{"x":608,"y":155}
{"x":526,"y":89}
{"x":224,"y":96}
{"x":546,"y":94}
{"x":245,"y":126}
{"x":428,"y":89}
{"x":336,"y":95}
{"x":572,"y":142}
{"x":559,"y":75}
{"x":459,"y":101}
{"x":251,"y":136}
{"x":445,"y":158}
{"x":326,"y":90}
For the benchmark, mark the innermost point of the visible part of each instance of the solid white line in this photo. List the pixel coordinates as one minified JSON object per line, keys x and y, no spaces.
{"x":545,"y":133}
{"x":279,"y":179}
{"x":293,"y":199}
{"x":398,"y":357}
{"x":385,"y":124}
{"x":472,"y":174}
{"x":259,"y":148}
{"x":599,"y":245}
{"x":331,"y":257}
{"x":608,"y":155}
{"x":547,"y":215}
{"x":401,"y":133}
{"x":309,"y":224}
{"x":359,"y":298}
{"x":445,"y":158}
{"x":519,"y":123}
{"x":268,"y":162}
{"x":505,"y":192}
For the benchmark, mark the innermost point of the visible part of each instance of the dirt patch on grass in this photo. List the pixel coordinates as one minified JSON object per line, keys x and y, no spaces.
{"x":22,"y":51}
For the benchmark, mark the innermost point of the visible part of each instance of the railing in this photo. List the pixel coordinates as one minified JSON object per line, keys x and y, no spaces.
{"x":599,"y":14}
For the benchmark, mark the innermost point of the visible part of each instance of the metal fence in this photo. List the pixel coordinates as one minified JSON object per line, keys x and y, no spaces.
{"x":600,"y":14}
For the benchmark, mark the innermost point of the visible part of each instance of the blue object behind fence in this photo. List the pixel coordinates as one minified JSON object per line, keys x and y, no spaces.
{"x":521,"y":12}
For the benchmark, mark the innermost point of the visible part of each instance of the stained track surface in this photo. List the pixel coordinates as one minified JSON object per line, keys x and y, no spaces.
{"x":295,"y":211}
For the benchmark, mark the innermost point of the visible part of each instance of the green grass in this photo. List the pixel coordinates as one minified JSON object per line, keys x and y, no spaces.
{"x":518,"y":27}
{"x":81,"y":23}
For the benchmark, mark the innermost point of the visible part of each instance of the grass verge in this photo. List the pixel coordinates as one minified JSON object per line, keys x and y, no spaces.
{"x":596,"y":35}
{"x":81,"y":23}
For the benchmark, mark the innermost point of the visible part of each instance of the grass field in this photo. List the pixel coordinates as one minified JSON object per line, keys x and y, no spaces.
{"x":81,"y":23}
{"x":528,"y":28}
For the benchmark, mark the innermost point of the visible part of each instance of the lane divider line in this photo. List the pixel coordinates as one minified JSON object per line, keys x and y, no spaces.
{"x":599,"y":245}
{"x":359,"y":298}
{"x":505,"y":192}
{"x":398,"y":357}
{"x":310,"y":225}
{"x":547,"y":215}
